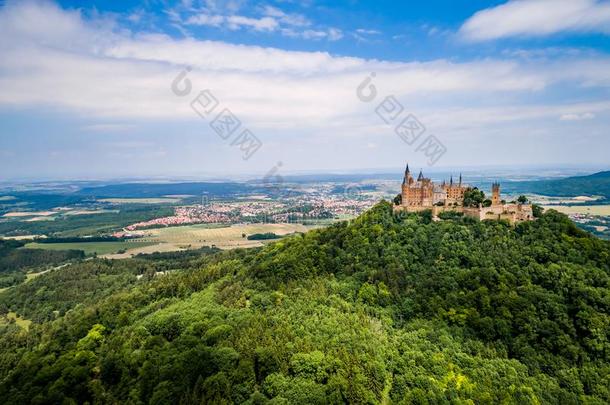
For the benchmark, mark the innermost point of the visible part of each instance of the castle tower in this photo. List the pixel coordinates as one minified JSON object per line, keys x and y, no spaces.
{"x":495,"y":194}
{"x":408,"y":179}
{"x":406,"y":183}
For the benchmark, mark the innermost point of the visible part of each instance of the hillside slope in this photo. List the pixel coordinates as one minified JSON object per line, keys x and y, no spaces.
{"x":382,"y":309}
{"x":594,"y":184}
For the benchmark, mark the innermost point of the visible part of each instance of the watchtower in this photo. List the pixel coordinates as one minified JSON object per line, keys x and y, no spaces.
{"x":495,"y":194}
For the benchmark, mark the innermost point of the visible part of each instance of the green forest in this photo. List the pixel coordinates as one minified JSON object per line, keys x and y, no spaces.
{"x":15,"y":260}
{"x":384,"y":309}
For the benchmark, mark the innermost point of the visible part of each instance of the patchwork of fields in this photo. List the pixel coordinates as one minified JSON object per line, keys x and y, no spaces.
{"x":179,"y":238}
{"x":601,"y":210}
{"x":195,"y":236}
{"x":90,"y":248}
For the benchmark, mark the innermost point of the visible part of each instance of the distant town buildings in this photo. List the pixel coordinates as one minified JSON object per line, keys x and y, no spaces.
{"x":424,"y":194}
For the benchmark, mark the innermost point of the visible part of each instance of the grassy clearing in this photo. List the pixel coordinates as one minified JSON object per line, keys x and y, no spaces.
{"x":90,"y":248}
{"x":32,"y":276}
{"x":12,"y":316}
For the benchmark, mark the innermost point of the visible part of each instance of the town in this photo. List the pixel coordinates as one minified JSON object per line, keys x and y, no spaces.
{"x":307,"y":206}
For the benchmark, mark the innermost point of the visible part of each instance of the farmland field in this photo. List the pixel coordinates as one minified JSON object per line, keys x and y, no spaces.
{"x":230,"y":235}
{"x":100,"y":248}
{"x":141,"y":200}
{"x":196,"y":236}
{"x":602,"y":210}
{"x":21,"y":214}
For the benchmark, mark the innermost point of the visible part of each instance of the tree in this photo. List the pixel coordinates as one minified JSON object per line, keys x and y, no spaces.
{"x":522,"y":199}
{"x":398,"y":199}
{"x":473,"y":197}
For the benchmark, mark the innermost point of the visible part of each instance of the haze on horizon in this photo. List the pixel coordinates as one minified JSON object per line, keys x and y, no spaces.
{"x":87,"y":90}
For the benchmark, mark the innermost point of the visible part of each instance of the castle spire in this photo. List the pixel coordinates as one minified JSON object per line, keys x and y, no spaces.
{"x":460,"y":179}
{"x":405,"y":179}
{"x":451,"y":180}
{"x":421,"y":175}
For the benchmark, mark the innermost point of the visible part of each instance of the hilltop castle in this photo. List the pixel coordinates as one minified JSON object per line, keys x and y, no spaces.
{"x":424,"y":194}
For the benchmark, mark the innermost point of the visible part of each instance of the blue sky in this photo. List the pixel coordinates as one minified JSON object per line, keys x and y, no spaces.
{"x":87,"y":88}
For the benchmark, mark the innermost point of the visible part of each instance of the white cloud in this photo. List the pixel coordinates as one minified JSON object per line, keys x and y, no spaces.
{"x":258,"y":24}
{"x":272,"y":19}
{"x":97,"y":69}
{"x":108,"y":127}
{"x":206,"y":19}
{"x":367,"y":32}
{"x":534,"y":18}
{"x":332,"y":34}
{"x":335,"y":34}
{"x":296,"y":20}
{"x":577,"y":117}
{"x":234,"y":22}
{"x":312,"y":34}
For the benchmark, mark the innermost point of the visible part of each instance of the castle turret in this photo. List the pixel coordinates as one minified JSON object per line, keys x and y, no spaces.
{"x":408,"y":179}
{"x":495,"y":194}
{"x":406,"y":182}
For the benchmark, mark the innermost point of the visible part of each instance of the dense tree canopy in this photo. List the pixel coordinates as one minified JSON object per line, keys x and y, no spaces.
{"x":382,"y":309}
{"x":473,"y":197}
{"x":16,"y":260}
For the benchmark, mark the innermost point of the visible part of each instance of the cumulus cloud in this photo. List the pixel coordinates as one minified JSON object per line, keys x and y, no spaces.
{"x":367,"y":31}
{"x":577,"y":117}
{"x":272,"y":19}
{"x":535,"y":18}
{"x":234,"y":22}
{"x":258,"y":24}
{"x":293,"y":19}
{"x":100,"y":69}
{"x":206,"y":19}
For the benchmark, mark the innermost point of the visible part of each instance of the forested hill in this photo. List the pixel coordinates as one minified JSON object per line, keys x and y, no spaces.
{"x":383,"y":309}
{"x":594,"y":184}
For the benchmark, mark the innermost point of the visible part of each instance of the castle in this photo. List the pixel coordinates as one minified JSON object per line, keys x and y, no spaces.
{"x":423,"y":194}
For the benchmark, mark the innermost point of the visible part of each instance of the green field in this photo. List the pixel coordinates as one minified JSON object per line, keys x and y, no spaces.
{"x":90,"y":248}
{"x":12,"y":316}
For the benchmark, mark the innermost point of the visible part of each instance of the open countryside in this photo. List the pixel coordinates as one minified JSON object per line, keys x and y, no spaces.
{"x":315,"y":202}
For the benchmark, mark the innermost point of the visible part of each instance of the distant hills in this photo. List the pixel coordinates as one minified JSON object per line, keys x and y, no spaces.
{"x":148,"y":190}
{"x":594,"y":184}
